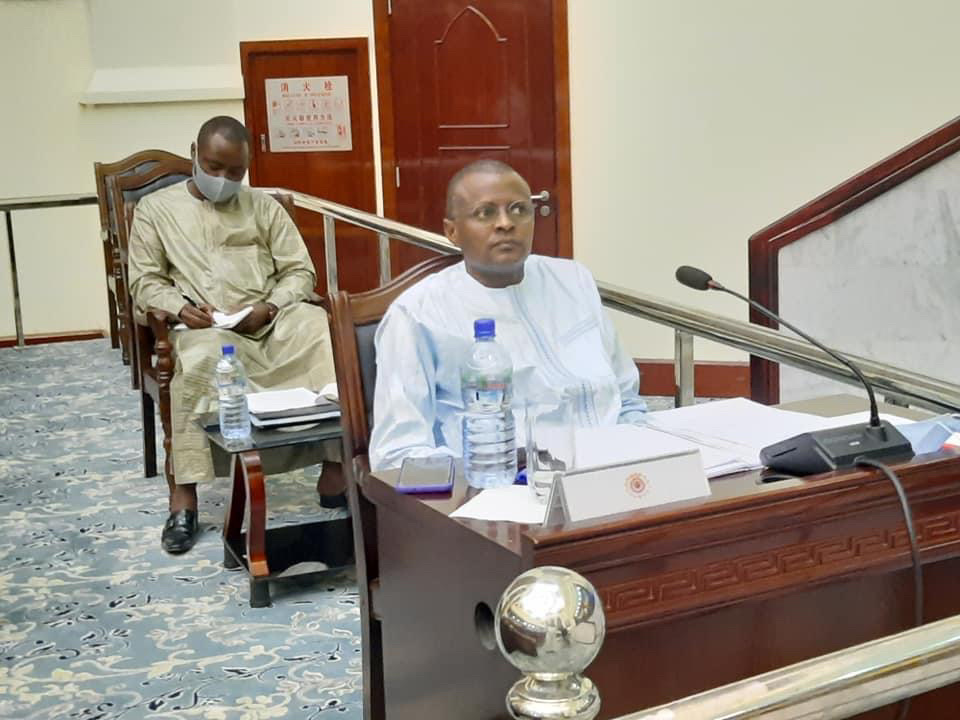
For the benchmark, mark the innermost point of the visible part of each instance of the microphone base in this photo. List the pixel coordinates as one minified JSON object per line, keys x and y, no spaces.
{"x":835,"y":448}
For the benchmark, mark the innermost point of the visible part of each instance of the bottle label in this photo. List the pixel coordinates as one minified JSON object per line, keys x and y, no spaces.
{"x":489,"y":392}
{"x":490,"y":395}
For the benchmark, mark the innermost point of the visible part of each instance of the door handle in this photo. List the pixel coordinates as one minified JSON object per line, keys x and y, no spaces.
{"x":543,"y":197}
{"x":263,"y":142}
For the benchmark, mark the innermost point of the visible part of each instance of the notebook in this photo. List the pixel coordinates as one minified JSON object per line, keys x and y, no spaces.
{"x":276,"y":407}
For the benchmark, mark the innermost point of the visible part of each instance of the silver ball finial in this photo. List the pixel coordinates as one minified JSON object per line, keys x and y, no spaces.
{"x":550,"y":626}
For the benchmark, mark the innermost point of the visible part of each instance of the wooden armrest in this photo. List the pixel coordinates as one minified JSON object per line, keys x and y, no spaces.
{"x":153,"y":339}
{"x":160,"y":322}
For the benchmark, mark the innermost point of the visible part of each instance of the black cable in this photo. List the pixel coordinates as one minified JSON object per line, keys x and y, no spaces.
{"x":914,"y":552}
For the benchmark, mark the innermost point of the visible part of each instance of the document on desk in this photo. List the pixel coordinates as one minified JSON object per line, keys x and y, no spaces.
{"x":293,"y":405}
{"x":598,"y":447}
{"x":514,"y":503}
{"x":272,"y":401}
{"x":863,"y":418}
{"x":737,"y":427}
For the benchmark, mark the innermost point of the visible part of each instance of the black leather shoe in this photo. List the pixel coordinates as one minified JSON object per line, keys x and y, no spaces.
{"x":180,"y":531}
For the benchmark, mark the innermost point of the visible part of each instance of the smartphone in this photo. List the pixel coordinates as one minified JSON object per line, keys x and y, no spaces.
{"x":426,"y":474}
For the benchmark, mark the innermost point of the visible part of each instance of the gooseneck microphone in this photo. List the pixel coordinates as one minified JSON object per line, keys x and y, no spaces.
{"x":694,"y":278}
{"x":699,"y":280}
{"x":823,"y":450}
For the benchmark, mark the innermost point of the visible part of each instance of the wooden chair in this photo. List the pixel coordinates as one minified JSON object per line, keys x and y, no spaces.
{"x":354,"y":319}
{"x":154,"y":350}
{"x":121,"y":332}
{"x":166,"y":169}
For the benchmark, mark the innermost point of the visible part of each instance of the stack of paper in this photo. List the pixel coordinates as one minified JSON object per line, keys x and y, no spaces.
{"x":738,"y":427}
{"x":864,"y":418}
{"x":741,"y":428}
{"x":296,"y":405}
{"x":728,"y":433}
{"x":597,"y":447}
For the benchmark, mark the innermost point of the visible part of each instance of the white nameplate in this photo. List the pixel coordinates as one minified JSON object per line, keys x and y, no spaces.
{"x":585,"y":494}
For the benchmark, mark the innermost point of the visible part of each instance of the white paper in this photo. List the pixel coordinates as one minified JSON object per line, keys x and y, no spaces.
{"x":513,"y":503}
{"x":740,"y":421}
{"x":737,"y":425}
{"x":864,"y":417}
{"x":222,"y":320}
{"x":279,"y":400}
{"x":597,"y":447}
{"x":728,"y":433}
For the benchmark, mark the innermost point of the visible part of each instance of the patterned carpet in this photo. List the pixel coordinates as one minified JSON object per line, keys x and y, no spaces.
{"x":96,"y":621}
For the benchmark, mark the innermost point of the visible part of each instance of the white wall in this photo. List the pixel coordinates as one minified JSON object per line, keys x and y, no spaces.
{"x":44,"y":66}
{"x":694,"y":122}
{"x":697,"y":122}
{"x":51,"y":54}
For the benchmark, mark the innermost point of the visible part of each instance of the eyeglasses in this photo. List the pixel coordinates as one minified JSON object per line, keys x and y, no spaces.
{"x":519,"y":211}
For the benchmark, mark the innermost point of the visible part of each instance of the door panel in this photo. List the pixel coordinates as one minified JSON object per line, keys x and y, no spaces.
{"x":471,"y":80}
{"x":345,"y":177}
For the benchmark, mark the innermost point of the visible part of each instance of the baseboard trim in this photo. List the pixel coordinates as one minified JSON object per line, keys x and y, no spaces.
{"x":54,"y":338}
{"x":710,"y":379}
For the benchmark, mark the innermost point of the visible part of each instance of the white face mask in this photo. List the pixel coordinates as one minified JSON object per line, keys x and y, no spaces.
{"x":214,"y":188}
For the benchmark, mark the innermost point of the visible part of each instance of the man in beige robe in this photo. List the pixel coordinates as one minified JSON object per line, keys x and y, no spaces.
{"x":207,"y":244}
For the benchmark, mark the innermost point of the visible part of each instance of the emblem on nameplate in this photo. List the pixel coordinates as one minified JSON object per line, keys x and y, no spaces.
{"x":636,"y":484}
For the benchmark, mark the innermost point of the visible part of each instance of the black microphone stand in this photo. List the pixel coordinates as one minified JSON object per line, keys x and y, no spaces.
{"x":874,"y":412}
{"x":823,"y":450}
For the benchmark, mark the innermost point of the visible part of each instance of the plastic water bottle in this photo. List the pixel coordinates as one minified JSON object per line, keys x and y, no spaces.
{"x":231,"y":388}
{"x":489,"y":438}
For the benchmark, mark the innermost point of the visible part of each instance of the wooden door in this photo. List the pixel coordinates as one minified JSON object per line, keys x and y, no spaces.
{"x":462,"y":80}
{"x":343,"y":176}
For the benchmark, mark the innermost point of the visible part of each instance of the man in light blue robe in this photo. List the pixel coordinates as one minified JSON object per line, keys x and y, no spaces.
{"x":548,"y":316}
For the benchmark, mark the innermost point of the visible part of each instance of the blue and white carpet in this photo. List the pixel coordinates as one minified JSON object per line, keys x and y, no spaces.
{"x":96,"y":621}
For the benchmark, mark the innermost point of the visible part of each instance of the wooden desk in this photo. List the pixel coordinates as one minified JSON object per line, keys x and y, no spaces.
{"x":697,"y":594}
{"x":279,"y":552}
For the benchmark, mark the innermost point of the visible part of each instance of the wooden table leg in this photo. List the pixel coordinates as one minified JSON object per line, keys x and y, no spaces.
{"x":249,"y":464}
{"x":248,"y":496}
{"x":233,"y":521}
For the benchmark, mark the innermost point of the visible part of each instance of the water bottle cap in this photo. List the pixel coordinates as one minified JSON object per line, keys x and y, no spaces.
{"x":484,"y":328}
{"x":228,"y":349}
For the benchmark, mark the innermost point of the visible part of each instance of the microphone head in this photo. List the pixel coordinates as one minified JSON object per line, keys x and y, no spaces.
{"x":693,"y":277}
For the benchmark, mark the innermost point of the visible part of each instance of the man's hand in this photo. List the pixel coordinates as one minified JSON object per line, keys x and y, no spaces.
{"x":261,"y":314}
{"x":196,"y":317}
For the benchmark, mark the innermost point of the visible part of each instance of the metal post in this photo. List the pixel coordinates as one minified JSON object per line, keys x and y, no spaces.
{"x":683,"y":368}
{"x":549,"y":624}
{"x":14,"y":281}
{"x":330,"y":252}
{"x":383,"y":241}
